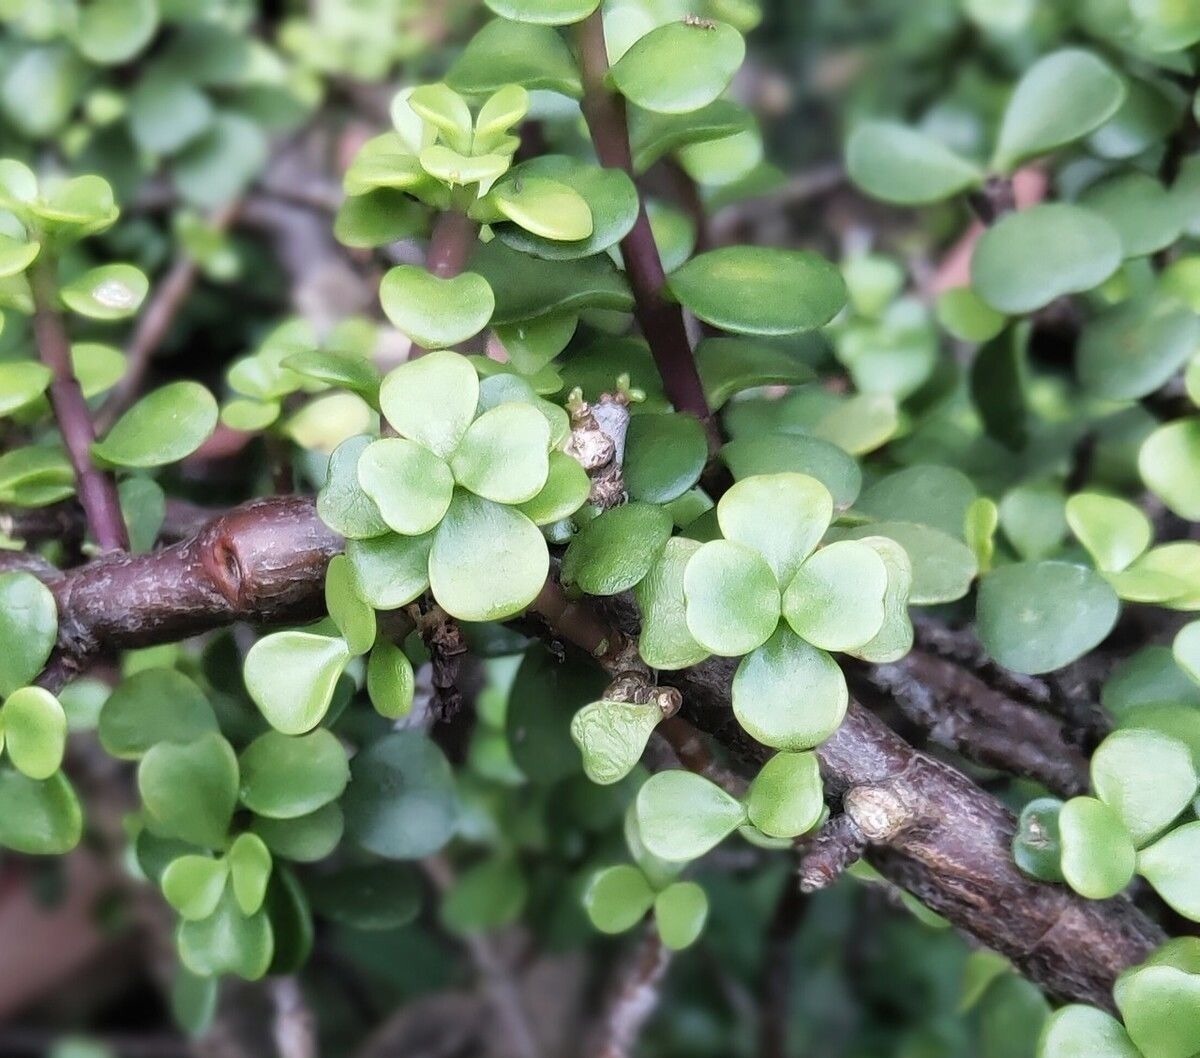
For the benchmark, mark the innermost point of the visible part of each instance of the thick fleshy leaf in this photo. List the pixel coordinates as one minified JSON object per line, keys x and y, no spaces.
{"x":291,"y":676}
{"x":190,"y":791}
{"x":227,"y":942}
{"x":937,"y":496}
{"x":895,"y":637}
{"x":617,"y":898}
{"x":1160,"y":1003}
{"x":167,"y":112}
{"x":487,"y":562}
{"x":1141,"y":210}
{"x":781,"y":516}
{"x":1114,"y":531}
{"x":504,"y":53}
{"x":432,"y":400}
{"x":794,"y":290}
{"x":410,"y":486}
{"x":544,"y":12}
{"x":486,"y":896}
{"x":40,"y":818}
{"x":729,"y":366}
{"x":615,"y":550}
{"x":1037,"y":844}
{"x":943,"y":567}
{"x":1032,"y":515}
{"x":680,"y":912}
{"x":193,"y":885}
{"x":655,"y":135}
{"x":110,"y":292}
{"x":16,"y":255}
{"x":1172,"y":866}
{"x":163,"y":427}
{"x":1079,"y":1031}
{"x":21,"y":383}
{"x":899,"y":164}
{"x":681,"y":815}
{"x":401,"y":802}
{"x":114,"y":31}
{"x":546,"y":208}
{"x":788,"y":694}
{"x":665,"y":642}
{"x":458,"y":170}
{"x":343,"y":504}
{"x":1037,"y":616}
{"x":1145,"y":777}
{"x":786,"y":798}
{"x":733,"y":601}
{"x":152,"y":706}
{"x":681,"y":66}
{"x":504,"y":455}
{"x":1169,"y":462}
{"x":249,"y":871}
{"x":436,"y":312}
{"x":835,"y":601}
{"x":533,"y":344}
{"x":445,"y":110}
{"x":284,"y":776}
{"x":370,"y":896}
{"x":664,"y":456}
{"x":1061,"y":98}
{"x":305,"y":839}
{"x":28,"y":629}
{"x":390,"y":571}
{"x":793,"y":453}
{"x":967,"y":317}
{"x":34,"y":730}
{"x":390,"y":680}
{"x":566,"y":489}
{"x":354,"y":618}
{"x":1098,"y":858}
{"x":611,"y":737}
{"x":1029,"y":259}
{"x":1136,"y":347}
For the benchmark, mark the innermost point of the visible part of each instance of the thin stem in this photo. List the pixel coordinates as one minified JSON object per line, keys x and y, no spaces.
{"x":450,"y":247}
{"x":775,"y":983}
{"x":97,"y":489}
{"x":661,"y":320}
{"x":634,"y":996}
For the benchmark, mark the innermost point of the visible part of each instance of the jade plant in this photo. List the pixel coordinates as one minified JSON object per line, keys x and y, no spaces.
{"x":459,"y":505}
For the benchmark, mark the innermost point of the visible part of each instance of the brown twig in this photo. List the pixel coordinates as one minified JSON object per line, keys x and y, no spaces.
{"x":775,"y":980}
{"x":633,"y":997}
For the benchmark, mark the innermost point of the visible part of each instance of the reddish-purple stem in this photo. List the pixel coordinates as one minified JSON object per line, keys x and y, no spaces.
{"x":97,"y":489}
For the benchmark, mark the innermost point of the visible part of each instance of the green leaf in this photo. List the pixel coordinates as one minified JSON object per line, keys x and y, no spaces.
{"x":305,"y":839}
{"x":1160,"y":1004}
{"x":930,"y":495}
{"x":793,"y":290}
{"x":1061,"y":98}
{"x":967,"y":317}
{"x":249,"y":871}
{"x":34,"y":731}
{"x":1037,"y":844}
{"x":432,"y":400}
{"x":786,"y":798}
{"x":436,"y":312}
{"x":504,"y":53}
{"x":110,"y":292}
{"x":28,"y":629}
{"x":1084,"y":1032}
{"x":680,"y":67}
{"x":374,"y":896}
{"x":615,"y":550}
{"x":791,"y":453}
{"x":284,"y":776}
{"x":665,"y":642}
{"x":1029,"y":259}
{"x":680,"y":912}
{"x":609,"y":195}
{"x":502,"y":110}
{"x":664,"y":455}
{"x":21,"y":383}
{"x":1142,"y":212}
{"x":544,"y":12}
{"x":1147,"y":778}
{"x":410,"y":486}
{"x":1169,"y":462}
{"x":789,"y":695}
{"x":390,"y":571}
{"x":41,"y":87}
{"x":167,"y":112}
{"x":942,"y":567}
{"x":1113,"y":531}
{"x":346,"y":369}
{"x":39,"y":818}
{"x":355,"y":619}
{"x":390,"y":681}
{"x":729,"y":366}
{"x":566,"y":490}
{"x":487,"y":562}
{"x":227,"y":942}
{"x":836,"y":599}
{"x":895,"y":636}
{"x":504,"y":455}
{"x":401,"y":802}
{"x":376,"y":218}
{"x":16,"y":255}
{"x":1033,"y":518}
{"x":611,"y":736}
{"x":222,"y":162}
{"x":342,"y":503}
{"x":114,"y":31}
{"x":445,"y":110}
{"x":733,"y":602}
{"x":164,"y":427}
{"x":898,"y":164}
{"x":548,"y":209}
{"x":1186,"y":650}
{"x":617,"y":898}
{"x":1036,"y":617}
{"x":190,"y":790}
{"x":533,"y":344}
{"x":458,"y":170}
{"x":291,"y":676}
{"x":1166,"y":25}
{"x":681,"y":815}
{"x":486,"y":896}
{"x":1171,"y":866}
{"x":655,"y":135}
{"x":1098,"y":858}
{"x":193,"y":885}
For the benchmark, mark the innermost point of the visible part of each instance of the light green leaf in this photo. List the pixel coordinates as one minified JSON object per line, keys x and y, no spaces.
{"x":1141,"y":210}
{"x":458,"y":170}
{"x":615,"y":550}
{"x":942,"y":567}
{"x":1035,"y":617}
{"x":249,"y":871}
{"x":504,"y":53}
{"x":114,"y":31}
{"x":16,"y":255}
{"x":681,"y":815}
{"x":1061,"y":98}
{"x":931,"y":495}
{"x":1145,"y":777}
{"x":611,"y":736}
{"x":164,"y":427}
{"x":1084,"y":1032}
{"x":793,"y":453}
{"x":190,"y":791}
{"x":167,"y":112}
{"x":898,"y":164}
{"x":193,"y":884}
{"x":1098,"y":858}
{"x":342,"y":503}
{"x":781,"y":516}
{"x":835,"y":601}
{"x":1160,"y":1003}
{"x":432,"y":400}
{"x":504,"y":455}
{"x":1169,"y":462}
{"x":291,"y":676}
{"x":733,"y":602}
{"x":729,"y":366}
{"x":967,"y":316}
{"x":566,"y":490}
{"x":152,"y":706}
{"x":795,"y":290}
{"x":786,"y":798}
{"x":533,"y":344}
{"x":390,"y":571}
{"x":390,"y":681}
{"x":544,"y":207}
{"x":681,"y":66}
{"x":1032,"y":515}
{"x":284,"y":776}
{"x":436,"y":312}
{"x":110,"y":292}
{"x":895,"y":636}
{"x":305,"y":839}
{"x":410,"y":486}
{"x":227,"y":942}
{"x":544,"y":12}
{"x":28,"y":629}
{"x":487,"y":562}
{"x":355,"y":619}
{"x":665,"y":642}
{"x":1172,"y":866}
{"x":39,"y":818}
{"x":680,"y":912}
{"x":789,"y":695}
{"x":617,"y":898}
{"x":1113,"y":531}
{"x":1029,"y":259}
{"x":34,"y":731}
